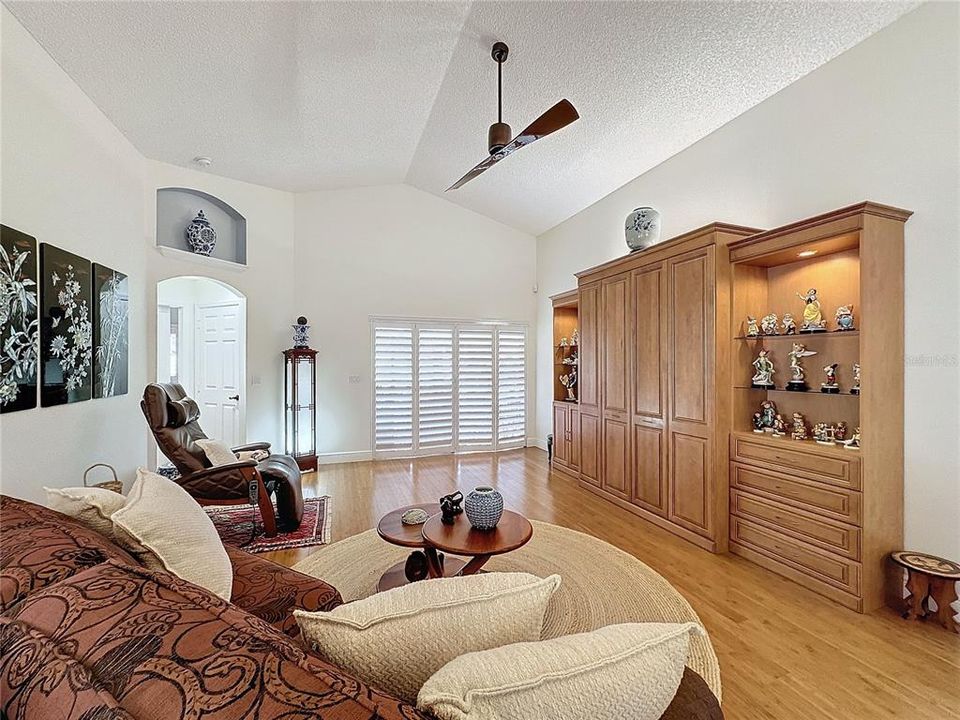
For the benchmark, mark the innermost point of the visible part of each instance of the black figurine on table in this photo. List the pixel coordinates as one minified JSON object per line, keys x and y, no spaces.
{"x":450,"y":507}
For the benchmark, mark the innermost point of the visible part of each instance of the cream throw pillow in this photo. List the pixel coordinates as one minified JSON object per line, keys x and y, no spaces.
{"x":91,"y":506}
{"x":395,"y":640}
{"x":167,"y":530}
{"x":620,"y":671}
{"x":217,"y":452}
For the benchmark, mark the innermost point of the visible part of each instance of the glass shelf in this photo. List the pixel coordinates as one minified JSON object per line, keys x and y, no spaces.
{"x":800,"y":336}
{"x":811,"y":391}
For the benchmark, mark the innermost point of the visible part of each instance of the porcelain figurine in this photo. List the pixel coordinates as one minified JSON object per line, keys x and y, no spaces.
{"x":569,"y":381}
{"x":450,"y":507}
{"x":854,"y":442}
{"x":799,"y":431}
{"x":798,"y":383}
{"x":752,"y":329}
{"x":812,"y":316}
{"x":564,"y":342}
{"x":829,"y":385}
{"x":575,"y":338}
{"x":769,"y":323}
{"x":763,"y":378}
{"x":840,"y":432}
{"x":855,"y":390}
{"x":823,"y":433}
{"x":765,"y":418}
{"x":574,"y":359}
{"x":845,"y":317}
{"x":779,"y":426}
{"x":789,"y":324}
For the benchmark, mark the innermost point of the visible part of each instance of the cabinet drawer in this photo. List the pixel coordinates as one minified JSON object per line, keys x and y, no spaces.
{"x":815,"y":497}
{"x":812,"y":464}
{"x":818,"y":565}
{"x":826,"y":534}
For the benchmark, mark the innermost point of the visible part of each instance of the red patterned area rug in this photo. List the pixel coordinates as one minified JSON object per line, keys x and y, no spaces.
{"x":241,"y":526}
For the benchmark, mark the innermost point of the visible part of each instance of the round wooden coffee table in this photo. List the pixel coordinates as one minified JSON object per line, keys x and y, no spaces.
{"x":432,"y":539}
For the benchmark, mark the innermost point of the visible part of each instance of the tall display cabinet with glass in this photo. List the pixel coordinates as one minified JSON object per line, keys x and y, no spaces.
{"x":300,"y":410}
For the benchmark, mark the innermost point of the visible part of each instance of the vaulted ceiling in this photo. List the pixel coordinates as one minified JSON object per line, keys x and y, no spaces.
{"x":319,"y":95}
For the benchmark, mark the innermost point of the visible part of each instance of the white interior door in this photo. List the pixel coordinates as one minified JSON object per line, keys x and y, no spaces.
{"x":220,"y":371}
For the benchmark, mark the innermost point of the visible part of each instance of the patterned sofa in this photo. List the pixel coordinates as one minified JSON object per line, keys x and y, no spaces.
{"x":87,"y":634}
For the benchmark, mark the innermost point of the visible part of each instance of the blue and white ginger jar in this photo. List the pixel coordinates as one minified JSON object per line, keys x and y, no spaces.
{"x":201,"y":236}
{"x":484,"y":507}
{"x":642,"y":228}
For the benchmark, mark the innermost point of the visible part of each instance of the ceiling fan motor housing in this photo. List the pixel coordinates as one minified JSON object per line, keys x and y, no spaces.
{"x":498,"y":136}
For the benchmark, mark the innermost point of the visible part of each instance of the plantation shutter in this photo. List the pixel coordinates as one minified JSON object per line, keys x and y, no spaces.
{"x":446,"y":386}
{"x":435,"y":387}
{"x":511,"y":388}
{"x":475,"y":370}
{"x":393,"y":388}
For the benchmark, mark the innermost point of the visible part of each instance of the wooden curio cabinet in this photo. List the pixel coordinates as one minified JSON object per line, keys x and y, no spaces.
{"x":300,"y":412}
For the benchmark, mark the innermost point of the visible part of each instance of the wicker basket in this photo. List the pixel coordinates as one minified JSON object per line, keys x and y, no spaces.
{"x":113,"y":485}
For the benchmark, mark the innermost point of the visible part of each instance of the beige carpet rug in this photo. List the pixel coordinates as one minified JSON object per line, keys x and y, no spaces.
{"x":602,"y":585}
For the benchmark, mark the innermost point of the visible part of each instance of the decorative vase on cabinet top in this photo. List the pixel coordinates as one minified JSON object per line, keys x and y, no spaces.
{"x":643,"y":228}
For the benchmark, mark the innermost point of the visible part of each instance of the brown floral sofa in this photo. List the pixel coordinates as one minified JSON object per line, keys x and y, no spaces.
{"x":87,"y":634}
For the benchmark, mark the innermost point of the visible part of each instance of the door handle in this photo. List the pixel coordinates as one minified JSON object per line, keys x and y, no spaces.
{"x":234,"y":397}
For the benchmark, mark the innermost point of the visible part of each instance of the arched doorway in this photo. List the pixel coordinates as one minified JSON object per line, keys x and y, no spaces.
{"x":201,"y":344}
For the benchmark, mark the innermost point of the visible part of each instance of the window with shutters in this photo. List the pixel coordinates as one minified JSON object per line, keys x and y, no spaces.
{"x":448,"y":387}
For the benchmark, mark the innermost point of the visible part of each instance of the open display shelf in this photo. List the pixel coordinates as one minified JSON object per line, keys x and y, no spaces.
{"x":823,"y":515}
{"x":566,"y":411}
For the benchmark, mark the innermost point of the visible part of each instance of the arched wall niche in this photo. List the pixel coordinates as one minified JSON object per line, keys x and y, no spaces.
{"x":178,"y":206}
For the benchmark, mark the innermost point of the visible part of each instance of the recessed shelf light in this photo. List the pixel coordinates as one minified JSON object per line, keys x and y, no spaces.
{"x":807,"y":253}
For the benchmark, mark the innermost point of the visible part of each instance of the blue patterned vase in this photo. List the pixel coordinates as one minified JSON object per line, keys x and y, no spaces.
{"x":201,"y":236}
{"x":643,"y":228}
{"x":484,"y":507}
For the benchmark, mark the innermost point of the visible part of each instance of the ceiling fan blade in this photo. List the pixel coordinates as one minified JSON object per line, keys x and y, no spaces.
{"x":556,"y":118}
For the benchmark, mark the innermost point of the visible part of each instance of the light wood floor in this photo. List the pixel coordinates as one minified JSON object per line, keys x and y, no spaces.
{"x":784,"y":651}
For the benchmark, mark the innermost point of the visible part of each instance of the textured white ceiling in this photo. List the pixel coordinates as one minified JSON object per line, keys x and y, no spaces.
{"x":319,"y":95}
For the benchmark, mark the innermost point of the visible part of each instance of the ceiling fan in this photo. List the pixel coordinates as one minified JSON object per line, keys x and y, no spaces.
{"x":498,"y":137}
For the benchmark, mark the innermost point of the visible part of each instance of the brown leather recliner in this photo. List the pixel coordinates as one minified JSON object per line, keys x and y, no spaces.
{"x":172,"y":417}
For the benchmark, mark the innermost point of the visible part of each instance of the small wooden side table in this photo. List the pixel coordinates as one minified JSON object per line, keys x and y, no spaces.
{"x":929,"y":576}
{"x":431,"y":540}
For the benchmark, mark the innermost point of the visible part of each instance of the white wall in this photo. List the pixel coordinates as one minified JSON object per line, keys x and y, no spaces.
{"x":880,"y":123}
{"x":395,"y":250}
{"x":267,"y":282}
{"x":68,"y":177}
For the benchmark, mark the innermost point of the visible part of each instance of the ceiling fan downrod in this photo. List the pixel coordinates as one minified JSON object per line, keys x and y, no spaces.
{"x":499,"y":133}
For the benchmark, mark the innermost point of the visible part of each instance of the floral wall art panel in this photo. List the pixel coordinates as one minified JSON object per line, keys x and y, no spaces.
{"x":111,"y":308}
{"x":19,"y":325}
{"x":66,"y":327}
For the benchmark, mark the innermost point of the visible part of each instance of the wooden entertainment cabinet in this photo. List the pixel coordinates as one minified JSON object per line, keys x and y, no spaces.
{"x":662,"y":422}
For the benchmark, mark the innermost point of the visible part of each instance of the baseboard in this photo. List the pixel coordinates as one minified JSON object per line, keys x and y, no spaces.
{"x":344,"y":457}
{"x":537,"y":443}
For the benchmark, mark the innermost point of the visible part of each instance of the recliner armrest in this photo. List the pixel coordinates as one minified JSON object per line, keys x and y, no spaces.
{"x":221,"y":482}
{"x":251,"y":446}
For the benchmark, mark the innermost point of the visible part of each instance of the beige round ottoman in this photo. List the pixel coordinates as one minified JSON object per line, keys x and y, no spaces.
{"x":602,"y":585}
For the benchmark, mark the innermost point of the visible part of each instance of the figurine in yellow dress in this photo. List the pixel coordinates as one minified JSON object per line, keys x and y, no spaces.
{"x":812,"y":316}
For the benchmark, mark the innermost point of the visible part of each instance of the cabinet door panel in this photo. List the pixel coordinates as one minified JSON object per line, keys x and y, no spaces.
{"x":560,"y":446}
{"x":616,"y":449}
{"x":691,"y":323}
{"x":588,"y":380}
{"x":573,"y":433}
{"x":648,"y":332}
{"x":613,"y":344}
{"x":649,"y":476}
{"x":590,"y":448}
{"x":690,"y":498}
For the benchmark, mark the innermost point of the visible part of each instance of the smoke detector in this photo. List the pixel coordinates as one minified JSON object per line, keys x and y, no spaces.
{"x":202,"y":160}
